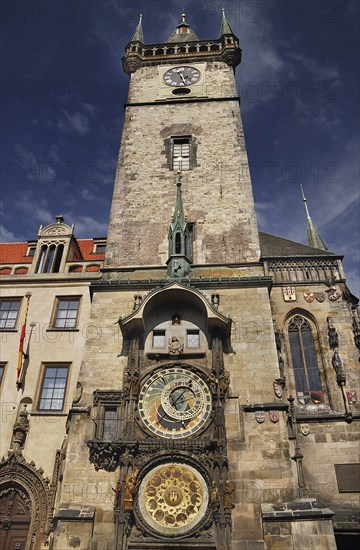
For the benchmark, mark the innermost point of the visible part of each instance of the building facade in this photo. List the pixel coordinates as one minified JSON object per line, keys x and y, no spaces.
{"x":215,"y":400}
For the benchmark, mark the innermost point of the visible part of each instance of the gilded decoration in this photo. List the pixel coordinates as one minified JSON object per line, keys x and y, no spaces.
{"x":173,"y":498}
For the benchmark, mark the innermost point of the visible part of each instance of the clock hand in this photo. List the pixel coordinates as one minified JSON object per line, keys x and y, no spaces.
{"x":182,"y":77}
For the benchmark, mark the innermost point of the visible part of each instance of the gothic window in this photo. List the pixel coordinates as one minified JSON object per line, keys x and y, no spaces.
{"x":303,"y":355}
{"x":181,"y":153}
{"x":9,"y":311}
{"x":50,"y":258}
{"x":53,"y":388}
{"x":66,"y":313}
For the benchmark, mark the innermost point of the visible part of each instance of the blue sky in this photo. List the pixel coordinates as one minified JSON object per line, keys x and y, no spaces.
{"x":63,"y":90}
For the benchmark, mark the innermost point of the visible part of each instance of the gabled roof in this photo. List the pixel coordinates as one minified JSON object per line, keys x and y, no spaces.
{"x":273,"y":246}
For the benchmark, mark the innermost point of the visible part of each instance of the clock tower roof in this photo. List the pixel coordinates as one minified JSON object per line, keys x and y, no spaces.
{"x":183,"y":33}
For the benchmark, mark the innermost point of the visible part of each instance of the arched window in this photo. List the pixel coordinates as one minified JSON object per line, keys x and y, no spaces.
{"x":50,"y":258}
{"x":304,"y":359}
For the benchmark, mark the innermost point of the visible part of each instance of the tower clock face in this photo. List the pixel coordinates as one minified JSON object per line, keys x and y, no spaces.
{"x":174,"y":403}
{"x":181,"y":76}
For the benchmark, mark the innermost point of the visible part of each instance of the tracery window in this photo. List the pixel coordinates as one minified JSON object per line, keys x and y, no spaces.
{"x":304,"y":359}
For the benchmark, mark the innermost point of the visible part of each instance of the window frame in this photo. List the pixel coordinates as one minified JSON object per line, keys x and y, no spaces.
{"x":44,"y":369}
{"x":190,"y":332}
{"x":11,"y":299}
{"x":304,"y":355}
{"x":158,"y":332}
{"x":56,"y":309}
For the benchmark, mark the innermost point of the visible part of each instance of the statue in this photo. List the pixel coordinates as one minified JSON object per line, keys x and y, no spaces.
{"x":214,"y":497}
{"x":130,"y":483}
{"x":228,"y":491}
{"x":117,"y":491}
{"x":176,"y":345}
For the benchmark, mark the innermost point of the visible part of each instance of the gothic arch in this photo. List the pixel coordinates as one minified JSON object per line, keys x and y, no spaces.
{"x":35,"y":491}
{"x":306,"y":360}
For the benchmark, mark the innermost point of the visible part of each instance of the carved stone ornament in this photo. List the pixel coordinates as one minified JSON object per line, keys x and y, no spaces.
{"x":274,"y":416}
{"x":104,"y":456}
{"x":260,"y":416}
{"x":35,"y":491}
{"x":309,"y":297}
{"x":305,"y":429}
{"x":351,"y":396}
{"x":56,"y":229}
{"x":77,"y":393}
{"x":319,"y":296}
{"x":289,"y":293}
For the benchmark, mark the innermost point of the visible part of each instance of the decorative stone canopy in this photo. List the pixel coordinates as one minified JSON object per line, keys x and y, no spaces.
{"x":174,"y":292}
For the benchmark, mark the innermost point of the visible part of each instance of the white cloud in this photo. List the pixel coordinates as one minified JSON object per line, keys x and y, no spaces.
{"x":78,"y":122}
{"x":7,"y":236}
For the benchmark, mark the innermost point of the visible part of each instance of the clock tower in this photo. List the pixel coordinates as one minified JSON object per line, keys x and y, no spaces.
{"x":168,"y":456}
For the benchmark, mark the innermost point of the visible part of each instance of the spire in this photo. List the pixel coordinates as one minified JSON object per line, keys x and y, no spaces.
{"x":178,"y":217}
{"x":314,"y":238}
{"x":178,"y":262}
{"x":138,"y":35}
{"x":225,"y":25}
{"x":183,"y":33}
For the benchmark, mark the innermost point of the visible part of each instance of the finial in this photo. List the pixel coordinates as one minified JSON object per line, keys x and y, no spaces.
{"x":59,"y":218}
{"x":179,"y":178}
{"x":305,"y":202}
{"x":183,"y":16}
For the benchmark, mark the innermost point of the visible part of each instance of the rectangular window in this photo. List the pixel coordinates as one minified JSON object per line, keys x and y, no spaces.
{"x":100,"y":249}
{"x":66,"y":314}
{"x":9,"y":310}
{"x":53,"y":387}
{"x":181,"y":154}
{"x":192,"y":339}
{"x":31,"y":251}
{"x":159,"y":339}
{"x":110,"y":424}
{"x":2,"y":370}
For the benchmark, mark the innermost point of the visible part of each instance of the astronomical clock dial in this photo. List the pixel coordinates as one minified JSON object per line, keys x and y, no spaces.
{"x":181,"y":76}
{"x":174,"y":403}
{"x":173,"y":498}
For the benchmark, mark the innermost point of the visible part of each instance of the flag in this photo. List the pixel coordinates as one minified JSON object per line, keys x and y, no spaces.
{"x":21,"y":344}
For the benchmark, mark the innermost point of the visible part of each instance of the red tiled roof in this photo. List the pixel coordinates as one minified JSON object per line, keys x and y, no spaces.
{"x":93,"y":268}
{"x":86,"y":247}
{"x":14,"y":253}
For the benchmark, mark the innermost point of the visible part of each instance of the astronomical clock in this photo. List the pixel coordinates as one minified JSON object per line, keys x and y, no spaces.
{"x":170,"y":442}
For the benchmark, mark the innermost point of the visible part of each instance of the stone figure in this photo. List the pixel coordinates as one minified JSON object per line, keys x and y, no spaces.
{"x":176,"y":345}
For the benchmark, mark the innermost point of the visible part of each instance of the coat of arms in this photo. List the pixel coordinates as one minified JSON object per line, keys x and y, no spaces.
{"x":319,"y":296}
{"x":278,"y":389}
{"x":316,"y":397}
{"x":289,"y":293}
{"x":334,"y":295}
{"x":274,"y":416}
{"x":303,"y":397}
{"x":351,"y":397}
{"x":309,"y":297}
{"x":260,"y":416}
